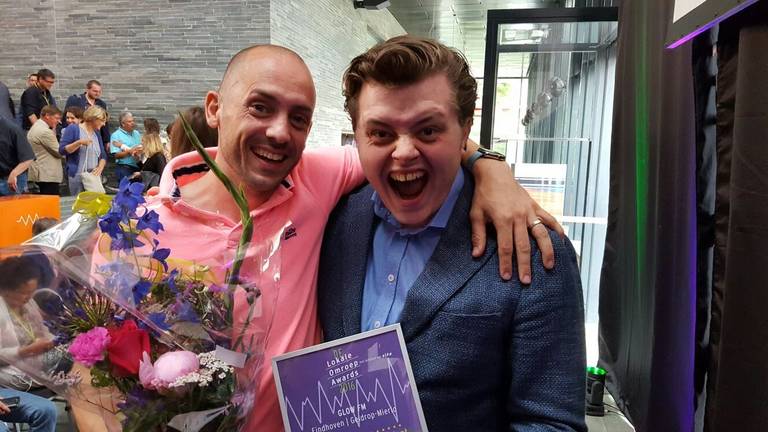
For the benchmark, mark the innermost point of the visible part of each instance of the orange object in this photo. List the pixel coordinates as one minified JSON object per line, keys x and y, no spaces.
{"x":18,"y":213}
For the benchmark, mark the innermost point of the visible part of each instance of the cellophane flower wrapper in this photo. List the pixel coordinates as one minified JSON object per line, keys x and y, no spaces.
{"x":151,"y":301}
{"x":182,"y":294}
{"x":62,"y":307}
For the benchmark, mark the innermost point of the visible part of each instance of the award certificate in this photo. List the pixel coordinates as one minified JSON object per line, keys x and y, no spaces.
{"x":359,"y":383}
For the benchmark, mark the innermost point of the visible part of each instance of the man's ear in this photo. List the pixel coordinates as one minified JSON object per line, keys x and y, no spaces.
{"x":212,"y":108}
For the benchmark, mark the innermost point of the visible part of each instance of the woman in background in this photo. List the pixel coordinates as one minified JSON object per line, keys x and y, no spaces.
{"x":154,"y":161}
{"x":152,"y":126}
{"x":195,"y":116}
{"x":154,"y":154}
{"x":74,"y":115}
{"x":83,"y":148}
{"x":23,"y":336}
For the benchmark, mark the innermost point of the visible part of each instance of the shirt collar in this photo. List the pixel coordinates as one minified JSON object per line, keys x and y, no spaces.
{"x":192,"y":164}
{"x":439,"y":220}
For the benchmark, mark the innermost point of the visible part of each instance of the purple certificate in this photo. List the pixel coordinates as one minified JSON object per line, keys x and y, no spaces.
{"x":360,"y":383}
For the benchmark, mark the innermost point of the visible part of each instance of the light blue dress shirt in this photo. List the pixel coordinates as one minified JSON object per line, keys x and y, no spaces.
{"x":398,"y":257}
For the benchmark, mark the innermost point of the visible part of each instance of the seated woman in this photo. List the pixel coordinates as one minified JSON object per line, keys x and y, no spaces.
{"x":154,"y":160}
{"x":23,"y":335}
{"x":83,"y":148}
{"x":23,"y":338}
{"x":152,"y":126}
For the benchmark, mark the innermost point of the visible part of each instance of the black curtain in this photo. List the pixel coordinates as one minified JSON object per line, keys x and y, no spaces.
{"x":738,"y":379}
{"x":648,"y":283}
{"x":704,"y":79}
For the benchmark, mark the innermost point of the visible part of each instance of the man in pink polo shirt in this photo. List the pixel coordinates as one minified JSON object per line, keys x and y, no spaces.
{"x":263,"y":113}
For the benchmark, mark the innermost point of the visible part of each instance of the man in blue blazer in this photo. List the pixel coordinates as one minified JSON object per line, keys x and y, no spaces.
{"x":487,"y":354}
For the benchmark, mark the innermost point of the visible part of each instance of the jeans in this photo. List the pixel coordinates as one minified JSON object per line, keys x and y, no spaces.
{"x":21,"y":185}
{"x":123,"y":170}
{"x":39,"y":413}
{"x":75,"y":185}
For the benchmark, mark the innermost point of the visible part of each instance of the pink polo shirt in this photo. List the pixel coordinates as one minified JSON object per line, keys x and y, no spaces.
{"x":301,"y":205}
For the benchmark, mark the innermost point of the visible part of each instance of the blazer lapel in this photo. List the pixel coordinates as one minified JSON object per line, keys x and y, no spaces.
{"x":447,"y":271}
{"x":357,"y":244}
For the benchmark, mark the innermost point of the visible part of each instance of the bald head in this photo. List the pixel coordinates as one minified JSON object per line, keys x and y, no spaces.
{"x":263,"y":114}
{"x":256,"y":53}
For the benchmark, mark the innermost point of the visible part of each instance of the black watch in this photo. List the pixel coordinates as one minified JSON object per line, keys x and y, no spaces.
{"x":483,"y":152}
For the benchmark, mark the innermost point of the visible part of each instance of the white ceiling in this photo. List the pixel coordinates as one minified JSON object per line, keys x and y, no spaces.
{"x":458,"y":23}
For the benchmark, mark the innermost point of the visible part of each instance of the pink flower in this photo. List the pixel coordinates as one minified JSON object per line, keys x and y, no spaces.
{"x":88,"y":348}
{"x":167,"y":369}
{"x":146,"y":372}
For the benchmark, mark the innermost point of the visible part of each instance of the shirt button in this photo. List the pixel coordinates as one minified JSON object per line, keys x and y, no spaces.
{"x":377,"y":324}
{"x":391,"y":278}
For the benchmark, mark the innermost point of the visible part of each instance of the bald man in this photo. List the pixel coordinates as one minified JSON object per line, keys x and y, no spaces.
{"x":263,"y":114}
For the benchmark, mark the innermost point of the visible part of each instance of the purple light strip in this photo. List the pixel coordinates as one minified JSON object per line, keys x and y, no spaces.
{"x":710,"y":24}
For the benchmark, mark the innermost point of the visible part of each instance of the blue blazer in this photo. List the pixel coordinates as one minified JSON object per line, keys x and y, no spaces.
{"x":71,"y":134}
{"x":487,"y":355}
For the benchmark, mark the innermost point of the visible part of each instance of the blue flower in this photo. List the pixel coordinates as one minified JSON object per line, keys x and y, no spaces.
{"x":158,"y":318}
{"x":110,"y":223}
{"x":161,"y":255}
{"x":150,"y":220}
{"x":125,"y":240}
{"x":129,"y":196}
{"x":140,"y":290}
{"x":186,"y":312}
{"x":171,"y":281}
{"x":120,"y":278}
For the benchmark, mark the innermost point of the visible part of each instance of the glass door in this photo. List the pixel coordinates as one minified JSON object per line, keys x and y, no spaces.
{"x":547,"y":104}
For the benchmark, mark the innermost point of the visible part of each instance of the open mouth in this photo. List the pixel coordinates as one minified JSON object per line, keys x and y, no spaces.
{"x":408,"y":185}
{"x":269,"y":156}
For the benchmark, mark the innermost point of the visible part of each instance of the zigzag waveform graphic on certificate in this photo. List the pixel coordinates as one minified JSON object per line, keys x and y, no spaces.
{"x":361,"y":395}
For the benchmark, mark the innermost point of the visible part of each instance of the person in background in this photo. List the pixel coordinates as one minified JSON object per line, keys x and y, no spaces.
{"x":37,"y":412}
{"x":31,"y":80}
{"x":73,"y":115}
{"x":16,"y":156}
{"x":83,"y":148}
{"x":36,"y":97}
{"x":91,"y":97}
{"x":195,"y":116}
{"x":23,"y":338}
{"x":154,"y":154}
{"x":7,"y":107}
{"x":46,"y":170}
{"x":37,"y":255}
{"x":43,"y":224}
{"x":154,"y":160}
{"x":125,"y":145}
{"x":152,"y":126}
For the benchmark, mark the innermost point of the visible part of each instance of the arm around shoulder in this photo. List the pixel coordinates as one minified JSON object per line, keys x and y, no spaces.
{"x":547,"y":348}
{"x":332,"y":172}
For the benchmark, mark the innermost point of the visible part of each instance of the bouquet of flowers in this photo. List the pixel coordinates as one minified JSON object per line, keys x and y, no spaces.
{"x":180,"y":341}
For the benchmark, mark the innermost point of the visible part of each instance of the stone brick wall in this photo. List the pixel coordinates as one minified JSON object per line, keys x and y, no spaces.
{"x":153,"y":57}
{"x":328,"y":34}
{"x":156,"y":57}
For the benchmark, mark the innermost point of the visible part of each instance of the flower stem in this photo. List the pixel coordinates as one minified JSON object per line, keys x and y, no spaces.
{"x":233,"y":274}
{"x":233,"y":277}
